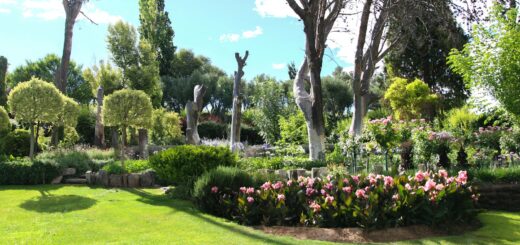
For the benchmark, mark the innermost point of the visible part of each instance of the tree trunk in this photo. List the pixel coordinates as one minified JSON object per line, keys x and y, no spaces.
{"x":122,"y":153}
{"x":115,"y":139}
{"x":31,"y":148}
{"x":143,"y":143}
{"x":72,"y":9}
{"x":192,"y":115}
{"x":237,"y":102}
{"x":317,"y":132}
{"x":99,"y":135}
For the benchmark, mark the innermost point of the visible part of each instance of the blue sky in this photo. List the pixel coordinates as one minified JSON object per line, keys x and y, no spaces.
{"x":216,"y":29}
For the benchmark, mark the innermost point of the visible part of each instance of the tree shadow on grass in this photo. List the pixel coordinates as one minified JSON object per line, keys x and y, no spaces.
{"x":57,"y":204}
{"x":187,"y":207}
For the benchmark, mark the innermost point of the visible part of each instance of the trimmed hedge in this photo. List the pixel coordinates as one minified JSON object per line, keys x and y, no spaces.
{"x":254,"y":163}
{"x":25,"y":172}
{"x":16,"y":143}
{"x":496,"y":176}
{"x":182,"y":165}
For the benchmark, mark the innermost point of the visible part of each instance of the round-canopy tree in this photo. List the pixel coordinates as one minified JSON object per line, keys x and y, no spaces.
{"x":34,"y":102}
{"x":127,"y":108}
{"x":5,"y":125}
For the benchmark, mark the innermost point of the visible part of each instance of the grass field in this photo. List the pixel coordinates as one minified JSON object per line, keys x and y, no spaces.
{"x":83,"y":215}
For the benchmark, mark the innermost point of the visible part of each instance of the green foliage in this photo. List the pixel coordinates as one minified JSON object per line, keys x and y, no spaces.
{"x":337,"y":96}
{"x":293,"y":129}
{"x":137,"y":166}
{"x":166,"y":128}
{"x":496,"y":176}
{"x":70,"y":137}
{"x":491,"y":60}
{"x":110,"y":78}
{"x":156,"y":28}
{"x":268,"y":99}
{"x":113,"y":168}
{"x":510,"y":141}
{"x":36,"y":101}
{"x":127,"y":108}
{"x":45,"y":69}
{"x":25,"y":172}
{"x":213,"y":130}
{"x":251,"y":135}
{"x":122,"y":42}
{"x":274,"y":163}
{"x":16,"y":143}
{"x":81,"y":160}
{"x":70,"y":113}
{"x":461,"y":121}
{"x":182,"y":165}
{"x":86,"y":125}
{"x":145,"y":75}
{"x":5,"y":124}
{"x":3,"y":81}
{"x":227,"y":179}
{"x":410,"y":100}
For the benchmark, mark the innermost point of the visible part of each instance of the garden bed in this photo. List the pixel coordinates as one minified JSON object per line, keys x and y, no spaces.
{"x":499,"y":196}
{"x":358,"y":235}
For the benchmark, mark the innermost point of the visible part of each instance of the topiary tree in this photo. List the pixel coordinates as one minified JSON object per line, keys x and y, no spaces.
{"x":410,"y":100}
{"x":166,"y":127}
{"x":5,"y":125}
{"x":127,"y":108}
{"x":35,"y":102}
{"x":68,"y":119}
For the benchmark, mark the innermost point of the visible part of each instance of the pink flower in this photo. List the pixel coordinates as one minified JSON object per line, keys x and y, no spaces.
{"x":329,"y":199}
{"x":323,"y":192}
{"x":214,"y":189}
{"x":408,"y":187}
{"x":328,"y":186}
{"x":347,"y":189}
{"x":266,"y":186}
{"x":439,"y":187}
{"x":250,"y":190}
{"x":395,"y":197}
{"x":310,"y":183}
{"x":443,"y":173}
{"x":281,"y":197}
{"x":250,"y":199}
{"x":345,"y":180}
{"x":389,"y":181}
{"x":449,"y":180}
{"x":315,"y":207}
{"x":289,"y":183}
{"x":430,"y":185}
{"x":361,"y":193}
{"x":474,"y":197}
{"x":243,"y":189}
{"x":309,"y":191}
{"x":462,"y":178}
{"x":278,"y":185}
{"x":356,"y":178}
{"x":419,"y":176}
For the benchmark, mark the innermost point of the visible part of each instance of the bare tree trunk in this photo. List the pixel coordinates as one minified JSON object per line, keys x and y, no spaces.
{"x":31,"y":149}
{"x":115,"y":139}
{"x":143,"y":143}
{"x":99,"y":134}
{"x":192,"y":115}
{"x":72,"y":9}
{"x":237,"y":101}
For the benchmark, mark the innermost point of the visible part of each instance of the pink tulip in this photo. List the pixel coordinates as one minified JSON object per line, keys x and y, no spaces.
{"x":323,"y":192}
{"x":443,"y":173}
{"x":439,"y":187}
{"x":360,"y":193}
{"x":347,"y":189}
{"x":462,"y":178}
{"x":289,"y":183}
{"x":278,"y":185}
{"x":310,"y":191}
{"x":250,"y":190}
{"x":408,"y":187}
{"x":315,"y":207}
{"x":328,"y":186}
{"x":345,"y":180}
{"x":214,"y":189}
{"x":250,"y":200}
{"x":419,"y":176}
{"x":281,"y":197}
{"x":430,"y":185}
{"x":266,"y":186}
{"x":243,"y":189}
{"x":329,"y":199}
{"x":389,"y":181}
{"x":356,"y":179}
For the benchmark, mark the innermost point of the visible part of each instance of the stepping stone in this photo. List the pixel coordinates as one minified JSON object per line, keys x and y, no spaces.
{"x":75,"y":181}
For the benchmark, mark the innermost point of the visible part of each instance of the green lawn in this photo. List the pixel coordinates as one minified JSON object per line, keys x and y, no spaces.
{"x":83,"y":215}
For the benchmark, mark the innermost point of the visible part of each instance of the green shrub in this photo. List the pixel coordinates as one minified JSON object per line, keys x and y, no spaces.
{"x":293,"y":129}
{"x":275,"y":163}
{"x":16,"y":143}
{"x":212,"y":130}
{"x":227,"y":179}
{"x":166,"y":128}
{"x":25,"y":172}
{"x":137,"y":166}
{"x":69,"y":159}
{"x":87,"y":125}
{"x":113,"y":168}
{"x":496,"y":176}
{"x":251,"y":135}
{"x":182,"y":165}
{"x":5,"y":124}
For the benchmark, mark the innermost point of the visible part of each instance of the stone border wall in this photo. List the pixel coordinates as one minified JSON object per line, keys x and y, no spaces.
{"x":499,"y":196}
{"x":102,"y":178}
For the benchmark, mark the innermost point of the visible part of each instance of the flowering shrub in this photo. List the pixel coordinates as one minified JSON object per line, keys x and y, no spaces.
{"x":374,"y":201}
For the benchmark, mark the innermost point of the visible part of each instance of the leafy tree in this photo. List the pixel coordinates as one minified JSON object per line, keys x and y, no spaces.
{"x":127,"y":108}
{"x":166,"y":127}
{"x":156,"y":28}
{"x":293,"y":129}
{"x":45,"y":69}
{"x":186,"y":63}
{"x":492,"y":59}
{"x":423,"y":54}
{"x":268,"y":100}
{"x":145,"y":75}
{"x":337,"y":97}
{"x":35,"y":101}
{"x":122,"y":43}
{"x":108,"y":77}
{"x":410,"y":100}
{"x":3,"y":85}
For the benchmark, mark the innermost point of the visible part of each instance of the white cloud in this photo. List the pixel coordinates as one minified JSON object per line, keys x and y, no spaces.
{"x":6,"y":2}
{"x":252,"y":34}
{"x":235,"y":37}
{"x":5,"y":7}
{"x":274,"y":8}
{"x":4,"y":11}
{"x":279,"y":66}
{"x":53,"y":9}
{"x":230,"y":38}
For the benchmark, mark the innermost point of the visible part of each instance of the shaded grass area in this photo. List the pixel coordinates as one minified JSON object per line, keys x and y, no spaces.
{"x":84,"y":215}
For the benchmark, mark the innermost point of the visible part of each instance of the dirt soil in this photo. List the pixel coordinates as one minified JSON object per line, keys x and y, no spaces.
{"x":358,"y":235}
